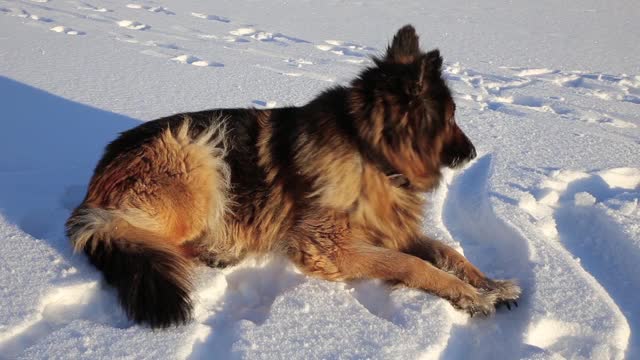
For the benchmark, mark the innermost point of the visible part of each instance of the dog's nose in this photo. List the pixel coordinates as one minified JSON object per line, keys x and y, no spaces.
{"x":472,"y":154}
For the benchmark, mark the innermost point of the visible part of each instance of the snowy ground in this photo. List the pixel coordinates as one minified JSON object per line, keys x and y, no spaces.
{"x":549,"y":92}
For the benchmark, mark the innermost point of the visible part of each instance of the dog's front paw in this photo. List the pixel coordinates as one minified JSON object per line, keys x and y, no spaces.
{"x":475,"y":301}
{"x":507,"y":292}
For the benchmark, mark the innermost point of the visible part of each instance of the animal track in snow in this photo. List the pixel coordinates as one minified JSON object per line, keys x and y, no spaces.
{"x":536,"y":72}
{"x":211,"y":17}
{"x":281,"y":72}
{"x":242,"y":31}
{"x":155,"y":9}
{"x":604,"y":86}
{"x":161,"y":44}
{"x":231,"y":39}
{"x":21,"y":13}
{"x":87,"y":6}
{"x":66,"y":30}
{"x":524,"y":90}
{"x":554,"y":106}
{"x":345,"y":48}
{"x":151,"y":43}
{"x":298,"y":62}
{"x":195,"y":61}
{"x":298,"y":73}
{"x":133,"y":25}
{"x":39,"y":18}
{"x":264,"y":36}
{"x":607,"y":119}
{"x":349,"y":45}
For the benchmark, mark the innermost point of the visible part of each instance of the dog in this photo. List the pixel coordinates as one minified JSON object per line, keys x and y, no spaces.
{"x":337,"y":186}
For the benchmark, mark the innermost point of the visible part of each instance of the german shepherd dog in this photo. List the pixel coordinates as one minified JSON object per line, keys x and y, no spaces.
{"x":337,"y":186}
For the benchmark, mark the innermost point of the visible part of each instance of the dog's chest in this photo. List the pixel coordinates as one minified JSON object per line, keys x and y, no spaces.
{"x":393,"y":213}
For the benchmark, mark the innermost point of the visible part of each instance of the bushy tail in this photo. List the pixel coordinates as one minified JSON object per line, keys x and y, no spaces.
{"x":152,"y":279}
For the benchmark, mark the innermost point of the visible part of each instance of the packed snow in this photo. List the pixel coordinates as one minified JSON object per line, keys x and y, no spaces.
{"x":549,"y":92}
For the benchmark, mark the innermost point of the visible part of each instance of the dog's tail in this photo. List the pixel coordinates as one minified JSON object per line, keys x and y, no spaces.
{"x":152,"y":278}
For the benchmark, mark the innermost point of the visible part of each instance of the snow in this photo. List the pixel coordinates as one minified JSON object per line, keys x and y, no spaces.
{"x":626,"y":178}
{"x":549,"y":93}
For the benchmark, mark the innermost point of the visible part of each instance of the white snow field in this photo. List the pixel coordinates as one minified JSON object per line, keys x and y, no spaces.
{"x":549,"y":91}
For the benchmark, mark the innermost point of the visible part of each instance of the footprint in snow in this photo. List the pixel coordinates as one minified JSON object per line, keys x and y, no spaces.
{"x":243,"y":31}
{"x":493,"y":92}
{"x":231,"y":39}
{"x":195,"y":61}
{"x":133,"y":25}
{"x":604,"y":86}
{"x":67,"y":30}
{"x":300,"y":62}
{"x":522,"y":101}
{"x":211,"y":17}
{"x":87,"y":6}
{"x":343,"y":48}
{"x":25,"y":15}
{"x":264,"y":36}
{"x":39,"y":18}
{"x":536,"y":72}
{"x":151,"y":43}
{"x":297,"y":73}
{"x":155,"y":9}
{"x":512,"y":105}
{"x":160,"y":44}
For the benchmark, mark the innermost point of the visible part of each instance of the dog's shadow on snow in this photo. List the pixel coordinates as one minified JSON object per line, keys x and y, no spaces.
{"x":49,"y":146}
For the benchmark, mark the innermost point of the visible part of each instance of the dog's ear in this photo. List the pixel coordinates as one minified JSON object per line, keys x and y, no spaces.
{"x":430,"y":65}
{"x":430,"y":69}
{"x":404,"y":48}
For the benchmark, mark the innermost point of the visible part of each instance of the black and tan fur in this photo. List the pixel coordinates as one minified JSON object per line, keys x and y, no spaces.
{"x":336,"y":186}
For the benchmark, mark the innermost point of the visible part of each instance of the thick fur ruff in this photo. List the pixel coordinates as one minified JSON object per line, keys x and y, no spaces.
{"x":336,"y":185}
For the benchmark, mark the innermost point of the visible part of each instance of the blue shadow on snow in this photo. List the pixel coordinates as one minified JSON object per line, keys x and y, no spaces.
{"x":48,"y":148}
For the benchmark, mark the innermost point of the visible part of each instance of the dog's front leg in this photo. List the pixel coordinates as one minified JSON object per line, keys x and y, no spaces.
{"x":448,"y":259}
{"x":359,"y":260}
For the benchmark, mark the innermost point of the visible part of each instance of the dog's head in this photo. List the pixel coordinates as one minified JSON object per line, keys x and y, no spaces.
{"x":406,"y":112}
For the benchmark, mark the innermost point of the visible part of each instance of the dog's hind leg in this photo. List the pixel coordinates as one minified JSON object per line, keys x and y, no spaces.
{"x":141,"y":206}
{"x":446,"y":258}
{"x":198,"y":251}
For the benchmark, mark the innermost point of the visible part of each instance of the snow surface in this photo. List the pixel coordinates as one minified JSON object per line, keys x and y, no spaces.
{"x":549,"y":92}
